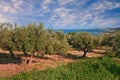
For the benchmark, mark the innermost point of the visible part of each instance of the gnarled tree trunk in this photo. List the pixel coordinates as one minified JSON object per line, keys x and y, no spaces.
{"x":85,"y":52}
{"x":11,"y":53}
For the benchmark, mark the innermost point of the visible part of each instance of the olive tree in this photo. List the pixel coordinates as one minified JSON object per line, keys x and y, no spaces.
{"x":112,"y":40}
{"x":83,"y":41}
{"x":7,"y":40}
{"x":61,"y":44}
{"x":57,"y":42}
{"x":97,"y":40}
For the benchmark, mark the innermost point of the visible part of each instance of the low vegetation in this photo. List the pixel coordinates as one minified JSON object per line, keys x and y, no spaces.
{"x":103,"y":68}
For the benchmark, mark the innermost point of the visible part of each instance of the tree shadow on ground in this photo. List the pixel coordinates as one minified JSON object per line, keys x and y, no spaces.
{"x":5,"y":59}
{"x":74,"y":57}
{"x":19,"y":58}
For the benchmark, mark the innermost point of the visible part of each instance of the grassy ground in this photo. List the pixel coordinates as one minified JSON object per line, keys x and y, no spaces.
{"x":104,"y":68}
{"x":12,"y":66}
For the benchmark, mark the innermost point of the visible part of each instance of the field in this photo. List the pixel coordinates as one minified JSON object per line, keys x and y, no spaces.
{"x":9,"y":67}
{"x":102,"y":68}
{"x":71,"y":67}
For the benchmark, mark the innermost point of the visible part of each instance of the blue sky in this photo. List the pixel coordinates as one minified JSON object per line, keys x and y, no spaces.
{"x":62,"y":14}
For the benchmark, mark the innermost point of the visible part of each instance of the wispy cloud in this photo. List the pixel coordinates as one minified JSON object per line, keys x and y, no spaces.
{"x":3,"y":19}
{"x":45,"y":4}
{"x":105,"y":5}
{"x":64,"y":2}
{"x":62,"y":13}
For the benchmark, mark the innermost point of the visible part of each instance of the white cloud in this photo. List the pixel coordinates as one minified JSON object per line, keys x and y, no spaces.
{"x":62,"y":17}
{"x":105,"y":5}
{"x":12,"y":8}
{"x":14,"y":0}
{"x":6,"y":8}
{"x":3,"y":19}
{"x":45,"y":4}
{"x":109,"y":22}
{"x":89,"y":16}
{"x":95,"y":15}
{"x":64,"y":2}
{"x":59,"y":12}
{"x":17,"y":5}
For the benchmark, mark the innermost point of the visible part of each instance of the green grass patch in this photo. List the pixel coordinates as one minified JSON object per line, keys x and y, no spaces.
{"x":104,"y":68}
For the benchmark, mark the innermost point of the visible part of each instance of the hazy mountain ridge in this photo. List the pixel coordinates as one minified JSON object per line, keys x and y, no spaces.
{"x":117,"y":28}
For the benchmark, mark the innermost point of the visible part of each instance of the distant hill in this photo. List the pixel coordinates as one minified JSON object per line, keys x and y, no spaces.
{"x":117,"y":28}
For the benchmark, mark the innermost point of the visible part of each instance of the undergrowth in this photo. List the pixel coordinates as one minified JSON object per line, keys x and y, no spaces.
{"x":103,"y":68}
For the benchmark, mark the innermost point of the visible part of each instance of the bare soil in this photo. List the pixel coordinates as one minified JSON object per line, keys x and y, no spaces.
{"x":11,"y":68}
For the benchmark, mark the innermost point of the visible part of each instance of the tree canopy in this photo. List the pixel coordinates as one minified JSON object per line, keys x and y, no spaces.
{"x":112,"y":40}
{"x":32,"y":38}
{"x":82,"y":41}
